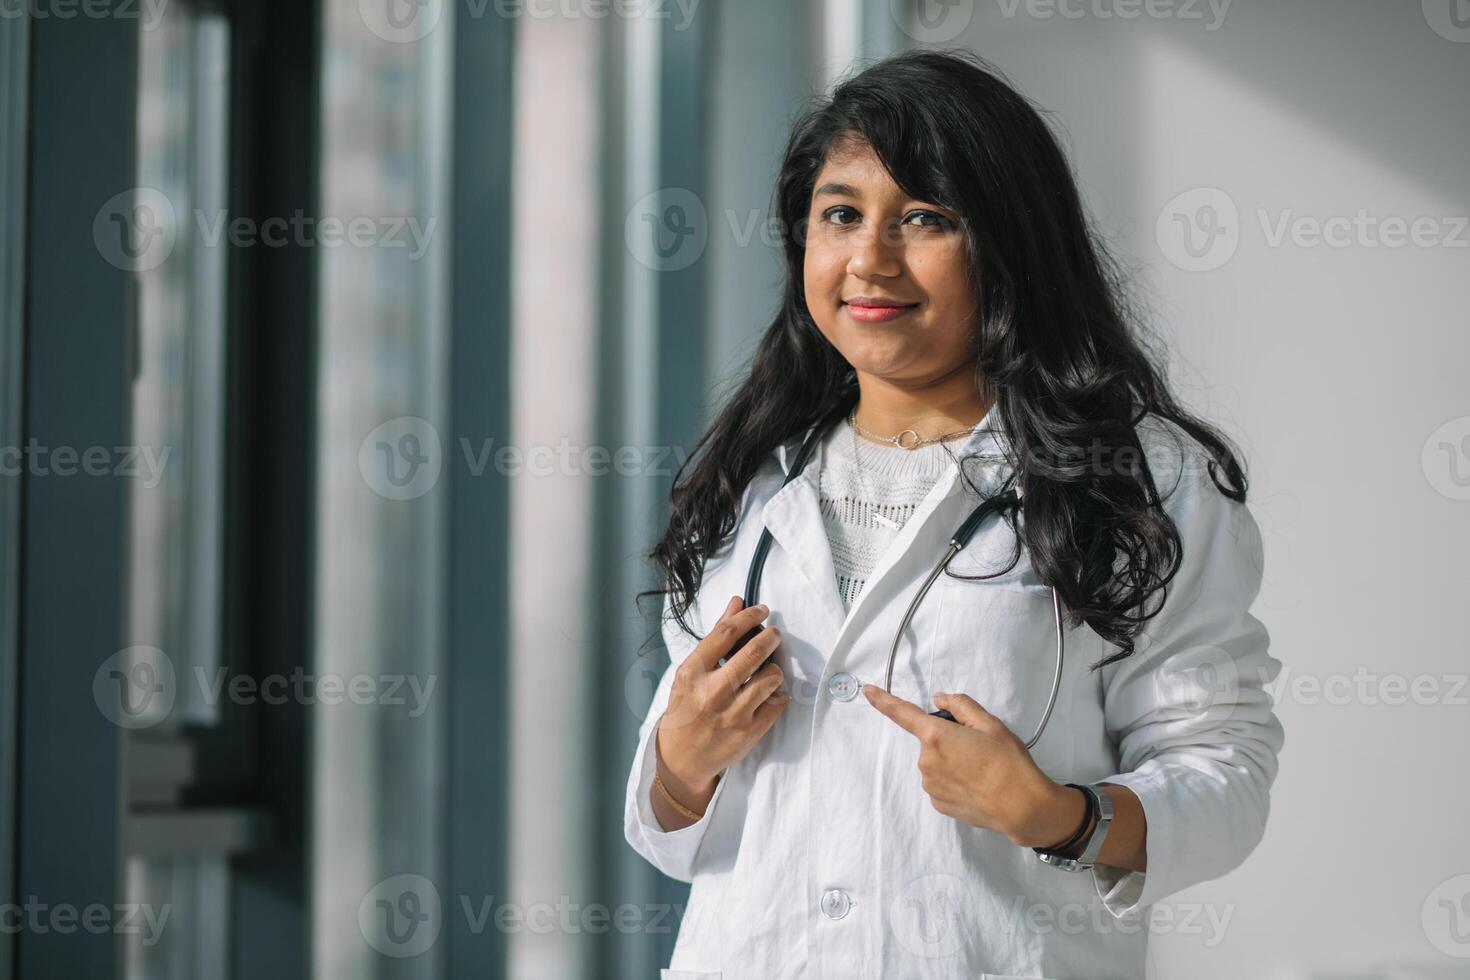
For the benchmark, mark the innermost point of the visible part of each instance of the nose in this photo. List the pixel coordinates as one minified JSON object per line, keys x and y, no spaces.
{"x":877,"y":252}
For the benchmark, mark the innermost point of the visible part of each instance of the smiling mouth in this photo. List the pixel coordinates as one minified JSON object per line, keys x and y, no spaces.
{"x":877,"y":311}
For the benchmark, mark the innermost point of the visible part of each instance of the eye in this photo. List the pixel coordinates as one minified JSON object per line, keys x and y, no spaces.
{"x":833,"y":214}
{"x":929,"y":219}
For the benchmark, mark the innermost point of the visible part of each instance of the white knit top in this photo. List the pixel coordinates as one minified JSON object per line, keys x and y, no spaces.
{"x":865,"y":503}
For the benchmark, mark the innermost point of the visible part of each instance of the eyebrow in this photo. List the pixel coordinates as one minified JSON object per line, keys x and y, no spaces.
{"x":839,"y":189}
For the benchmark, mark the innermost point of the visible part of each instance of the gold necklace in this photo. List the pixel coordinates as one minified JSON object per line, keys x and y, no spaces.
{"x":913,"y":440}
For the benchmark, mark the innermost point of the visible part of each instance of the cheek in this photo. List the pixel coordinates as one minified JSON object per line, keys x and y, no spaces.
{"x":822,"y":274}
{"x":944,"y":279}
{"x":952,"y":301}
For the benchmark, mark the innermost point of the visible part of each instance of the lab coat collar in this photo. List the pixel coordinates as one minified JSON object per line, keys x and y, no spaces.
{"x":794,"y":516}
{"x":988,"y":439}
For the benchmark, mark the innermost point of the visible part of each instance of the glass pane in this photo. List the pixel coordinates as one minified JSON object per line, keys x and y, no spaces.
{"x":174,"y":533}
{"x":178,"y":929}
{"x":378,"y":906}
{"x":178,"y":423}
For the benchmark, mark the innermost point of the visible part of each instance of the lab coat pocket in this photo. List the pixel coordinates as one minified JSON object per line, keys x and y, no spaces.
{"x":999,"y":646}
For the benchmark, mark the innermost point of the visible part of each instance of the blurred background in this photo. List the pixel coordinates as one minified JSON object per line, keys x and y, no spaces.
{"x":347,"y":352}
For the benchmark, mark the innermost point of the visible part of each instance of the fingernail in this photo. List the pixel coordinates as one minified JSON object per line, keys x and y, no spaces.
{"x":765,"y":609}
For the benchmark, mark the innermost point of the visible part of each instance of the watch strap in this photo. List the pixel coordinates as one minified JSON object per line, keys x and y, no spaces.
{"x":1089,"y":854}
{"x":1100,"y":804}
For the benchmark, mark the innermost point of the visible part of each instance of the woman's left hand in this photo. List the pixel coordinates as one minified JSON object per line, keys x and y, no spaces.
{"x":975,"y":769}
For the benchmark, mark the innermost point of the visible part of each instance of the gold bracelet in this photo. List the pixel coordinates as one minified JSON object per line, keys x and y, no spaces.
{"x":658,"y":781}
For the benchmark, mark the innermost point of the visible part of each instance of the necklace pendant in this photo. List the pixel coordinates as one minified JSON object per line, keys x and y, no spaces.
{"x":908,"y":439}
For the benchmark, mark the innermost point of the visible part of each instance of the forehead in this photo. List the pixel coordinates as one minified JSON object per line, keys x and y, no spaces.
{"x":853,"y":163}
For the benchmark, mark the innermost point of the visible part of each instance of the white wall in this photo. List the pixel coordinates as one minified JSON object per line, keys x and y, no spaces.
{"x":1333,"y":366}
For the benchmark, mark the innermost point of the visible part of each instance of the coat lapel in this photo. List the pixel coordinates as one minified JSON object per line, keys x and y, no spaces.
{"x":794,"y":517}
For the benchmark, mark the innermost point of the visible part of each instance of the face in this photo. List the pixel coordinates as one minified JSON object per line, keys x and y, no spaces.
{"x":886,"y":275}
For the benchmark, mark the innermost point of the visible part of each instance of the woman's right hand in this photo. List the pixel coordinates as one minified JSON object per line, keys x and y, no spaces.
{"x":717,"y":713}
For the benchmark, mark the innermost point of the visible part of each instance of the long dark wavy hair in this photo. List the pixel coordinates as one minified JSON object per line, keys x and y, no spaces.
{"x":1057,"y":343}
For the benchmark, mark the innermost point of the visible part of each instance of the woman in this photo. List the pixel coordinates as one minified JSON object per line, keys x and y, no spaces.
{"x":950,"y":334}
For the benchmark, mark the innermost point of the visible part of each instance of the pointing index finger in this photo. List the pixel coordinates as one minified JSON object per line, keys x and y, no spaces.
{"x":904,"y":714}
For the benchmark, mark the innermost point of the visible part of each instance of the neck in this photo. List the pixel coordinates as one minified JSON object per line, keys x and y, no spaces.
{"x":930,"y":408}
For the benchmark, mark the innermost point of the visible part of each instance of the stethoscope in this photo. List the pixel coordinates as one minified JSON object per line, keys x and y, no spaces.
{"x":1008,"y":500}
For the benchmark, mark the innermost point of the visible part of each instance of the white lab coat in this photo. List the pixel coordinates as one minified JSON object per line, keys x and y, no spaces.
{"x":820,"y":856}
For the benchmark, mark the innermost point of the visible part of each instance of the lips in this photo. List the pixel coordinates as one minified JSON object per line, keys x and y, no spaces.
{"x":876,"y":309}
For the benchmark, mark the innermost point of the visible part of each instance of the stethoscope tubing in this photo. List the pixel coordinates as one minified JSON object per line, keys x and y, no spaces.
{"x":962,"y":535}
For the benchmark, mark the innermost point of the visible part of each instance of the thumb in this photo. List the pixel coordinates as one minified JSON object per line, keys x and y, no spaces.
{"x":966,"y":710}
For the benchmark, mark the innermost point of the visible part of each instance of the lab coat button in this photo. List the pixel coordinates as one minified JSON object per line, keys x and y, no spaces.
{"x":843,"y":686}
{"x":835,"y":904}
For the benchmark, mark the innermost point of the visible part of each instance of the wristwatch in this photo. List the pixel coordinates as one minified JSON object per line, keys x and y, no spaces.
{"x":1103,"y":805}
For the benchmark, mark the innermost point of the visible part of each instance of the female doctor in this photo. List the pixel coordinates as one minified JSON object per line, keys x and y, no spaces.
{"x":950,"y":336}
